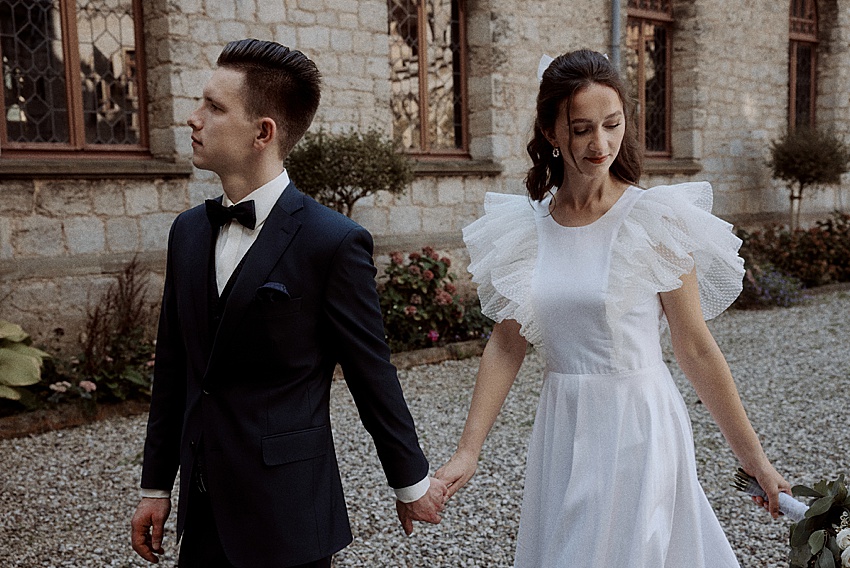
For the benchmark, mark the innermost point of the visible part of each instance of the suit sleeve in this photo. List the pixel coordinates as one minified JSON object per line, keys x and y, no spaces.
{"x":168,"y":396}
{"x":354,"y":314}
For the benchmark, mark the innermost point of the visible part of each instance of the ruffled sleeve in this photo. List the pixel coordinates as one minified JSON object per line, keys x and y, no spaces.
{"x":669,"y":230}
{"x":502,"y":248}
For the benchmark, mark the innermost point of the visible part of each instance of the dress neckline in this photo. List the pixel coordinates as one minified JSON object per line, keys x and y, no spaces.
{"x":607,"y":214}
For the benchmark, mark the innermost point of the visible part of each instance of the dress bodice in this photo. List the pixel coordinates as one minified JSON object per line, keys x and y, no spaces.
{"x":569,"y":293}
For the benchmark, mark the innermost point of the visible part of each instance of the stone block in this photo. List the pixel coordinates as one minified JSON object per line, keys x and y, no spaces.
{"x":312,"y":5}
{"x":37,"y":236}
{"x":450,"y":191}
{"x":424,"y":192}
{"x":437,"y":219}
{"x":108,"y":198}
{"x":344,"y":6}
{"x":122,"y":234}
{"x":154,"y":230}
{"x":61,"y":198}
{"x":246,"y":10}
{"x":18,"y":196}
{"x":230,"y":31}
{"x":313,"y":38}
{"x":84,"y":235}
{"x":374,"y":219}
{"x":405,"y":220}
{"x":5,"y":239}
{"x":341,"y":40}
{"x":287,"y":35}
{"x":141,"y":199}
{"x":373,"y":16}
{"x":271,"y":11}
{"x":349,"y":21}
{"x":298,"y":18}
{"x":220,"y":10}
{"x":173,"y":195}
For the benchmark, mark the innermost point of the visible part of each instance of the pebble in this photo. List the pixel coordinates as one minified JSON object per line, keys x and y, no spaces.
{"x":66,"y":497}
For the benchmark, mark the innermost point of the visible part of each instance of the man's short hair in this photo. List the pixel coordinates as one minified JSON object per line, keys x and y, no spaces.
{"x":281,"y":83}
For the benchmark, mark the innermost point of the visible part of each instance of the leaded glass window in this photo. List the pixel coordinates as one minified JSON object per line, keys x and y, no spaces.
{"x":71,"y":76}
{"x":802,"y":84}
{"x":428,"y":95}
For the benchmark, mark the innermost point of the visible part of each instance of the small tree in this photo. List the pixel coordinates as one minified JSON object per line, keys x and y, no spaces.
{"x":339,"y":169}
{"x":807,"y":157}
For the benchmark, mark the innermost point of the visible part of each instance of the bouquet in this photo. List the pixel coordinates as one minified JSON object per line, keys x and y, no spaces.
{"x":821,"y":536}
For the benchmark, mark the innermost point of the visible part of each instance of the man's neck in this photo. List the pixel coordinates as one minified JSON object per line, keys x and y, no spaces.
{"x":239,"y":185}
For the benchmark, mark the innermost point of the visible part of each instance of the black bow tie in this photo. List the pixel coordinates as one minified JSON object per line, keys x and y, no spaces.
{"x":219,"y":215}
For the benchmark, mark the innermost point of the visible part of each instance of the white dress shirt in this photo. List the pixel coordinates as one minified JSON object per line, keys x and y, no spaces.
{"x":232,"y":243}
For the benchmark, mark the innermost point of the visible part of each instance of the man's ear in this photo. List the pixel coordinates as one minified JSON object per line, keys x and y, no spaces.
{"x":266,"y":133}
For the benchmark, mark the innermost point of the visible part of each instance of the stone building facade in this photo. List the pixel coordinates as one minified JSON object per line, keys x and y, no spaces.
{"x":69,"y":221}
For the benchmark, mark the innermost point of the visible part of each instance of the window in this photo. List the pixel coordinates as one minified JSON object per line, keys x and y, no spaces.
{"x":648,"y":71}
{"x":428,"y":76}
{"x":802,"y":83}
{"x":71,"y":77}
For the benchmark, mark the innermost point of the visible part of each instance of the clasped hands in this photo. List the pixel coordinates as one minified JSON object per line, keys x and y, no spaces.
{"x":445,"y":483}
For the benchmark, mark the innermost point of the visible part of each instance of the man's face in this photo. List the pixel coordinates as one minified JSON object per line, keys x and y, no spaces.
{"x":223,"y":133}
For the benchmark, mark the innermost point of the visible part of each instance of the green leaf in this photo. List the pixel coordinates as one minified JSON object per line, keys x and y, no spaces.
{"x":12,"y":332}
{"x":19,"y":369}
{"x":819,"y":507}
{"x":825,"y":560}
{"x":803,"y":491}
{"x":9,"y":393}
{"x":27,"y":350}
{"x":816,"y":541}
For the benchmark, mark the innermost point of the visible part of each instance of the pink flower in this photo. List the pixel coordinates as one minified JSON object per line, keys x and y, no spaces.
{"x":450,"y":288}
{"x":410,"y":310}
{"x":414,"y":256}
{"x":428,"y":251}
{"x":396,"y":258}
{"x":415,"y":270}
{"x":88,"y":386}
{"x":433,"y":335}
{"x":61,"y":386}
{"x":428,"y":275}
{"x":442,"y":298}
{"x":447,"y":261}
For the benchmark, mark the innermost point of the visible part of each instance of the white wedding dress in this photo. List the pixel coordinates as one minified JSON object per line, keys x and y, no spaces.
{"x":611,"y":479}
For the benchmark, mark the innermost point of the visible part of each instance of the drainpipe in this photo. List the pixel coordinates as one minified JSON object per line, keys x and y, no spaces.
{"x":615,"y":34}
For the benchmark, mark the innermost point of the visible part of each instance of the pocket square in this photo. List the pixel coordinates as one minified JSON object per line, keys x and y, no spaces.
{"x":273,"y":292}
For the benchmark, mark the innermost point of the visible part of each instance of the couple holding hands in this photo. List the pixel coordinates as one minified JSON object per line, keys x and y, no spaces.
{"x":266,"y":291}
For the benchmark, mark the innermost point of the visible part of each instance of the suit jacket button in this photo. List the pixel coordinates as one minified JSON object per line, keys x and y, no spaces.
{"x":206,"y":391}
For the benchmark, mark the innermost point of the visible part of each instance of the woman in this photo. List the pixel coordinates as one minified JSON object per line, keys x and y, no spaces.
{"x":590,"y":273}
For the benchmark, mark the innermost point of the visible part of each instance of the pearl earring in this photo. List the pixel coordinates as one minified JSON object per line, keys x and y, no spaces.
{"x":556,"y":152}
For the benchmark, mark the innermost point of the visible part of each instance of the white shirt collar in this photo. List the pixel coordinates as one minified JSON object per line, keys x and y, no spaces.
{"x":264,"y":197}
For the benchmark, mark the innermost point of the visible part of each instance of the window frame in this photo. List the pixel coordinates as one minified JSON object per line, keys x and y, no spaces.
{"x":77,"y":147}
{"x":802,"y":31}
{"x":424,"y":152}
{"x":637,"y":14}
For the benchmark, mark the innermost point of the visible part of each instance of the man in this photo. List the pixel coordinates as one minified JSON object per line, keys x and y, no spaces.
{"x":265,"y":291}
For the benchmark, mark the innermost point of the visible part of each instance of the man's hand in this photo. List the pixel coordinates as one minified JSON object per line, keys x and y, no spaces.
{"x":427,"y":508}
{"x":147,"y":527}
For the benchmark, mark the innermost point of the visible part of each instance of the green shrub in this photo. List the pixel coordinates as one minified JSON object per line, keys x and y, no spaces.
{"x":816,"y":256}
{"x":804,"y":158}
{"x":20,"y":363}
{"x":339,"y":169}
{"x":420,"y":304}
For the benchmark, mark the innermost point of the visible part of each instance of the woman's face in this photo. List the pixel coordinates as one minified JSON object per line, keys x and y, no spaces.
{"x":591,"y":132}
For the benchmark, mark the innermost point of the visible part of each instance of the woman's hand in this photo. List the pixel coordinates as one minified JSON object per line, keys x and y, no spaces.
{"x":773,"y":484}
{"x":457,"y":471}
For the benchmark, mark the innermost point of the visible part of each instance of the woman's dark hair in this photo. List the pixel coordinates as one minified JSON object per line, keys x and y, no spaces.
{"x":565,"y":76}
{"x":281,"y":83}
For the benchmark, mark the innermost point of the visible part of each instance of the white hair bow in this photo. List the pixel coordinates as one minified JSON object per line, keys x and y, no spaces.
{"x":545,"y":60}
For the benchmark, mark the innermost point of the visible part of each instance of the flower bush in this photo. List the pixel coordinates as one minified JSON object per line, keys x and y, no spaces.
{"x":765,"y":286}
{"x":822,"y":538}
{"x":421,"y":306}
{"x":778,"y":258}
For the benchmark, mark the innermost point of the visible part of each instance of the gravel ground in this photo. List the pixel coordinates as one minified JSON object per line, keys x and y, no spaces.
{"x":66,"y":497}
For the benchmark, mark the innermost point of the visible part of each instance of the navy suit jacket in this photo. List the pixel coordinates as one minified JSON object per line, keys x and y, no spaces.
{"x":258,"y":389}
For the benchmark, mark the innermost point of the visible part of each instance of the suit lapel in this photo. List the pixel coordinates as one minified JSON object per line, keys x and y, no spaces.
{"x":199,"y":252}
{"x":274,"y":239}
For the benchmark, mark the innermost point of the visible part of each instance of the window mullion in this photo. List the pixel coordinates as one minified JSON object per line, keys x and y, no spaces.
{"x":422,"y":31}
{"x":73,"y":82}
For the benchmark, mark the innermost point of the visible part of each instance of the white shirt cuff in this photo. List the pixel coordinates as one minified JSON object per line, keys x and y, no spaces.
{"x":155,"y":493}
{"x":413,"y":492}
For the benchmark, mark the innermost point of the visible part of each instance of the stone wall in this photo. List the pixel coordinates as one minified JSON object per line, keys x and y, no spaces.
{"x":64,"y":234}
